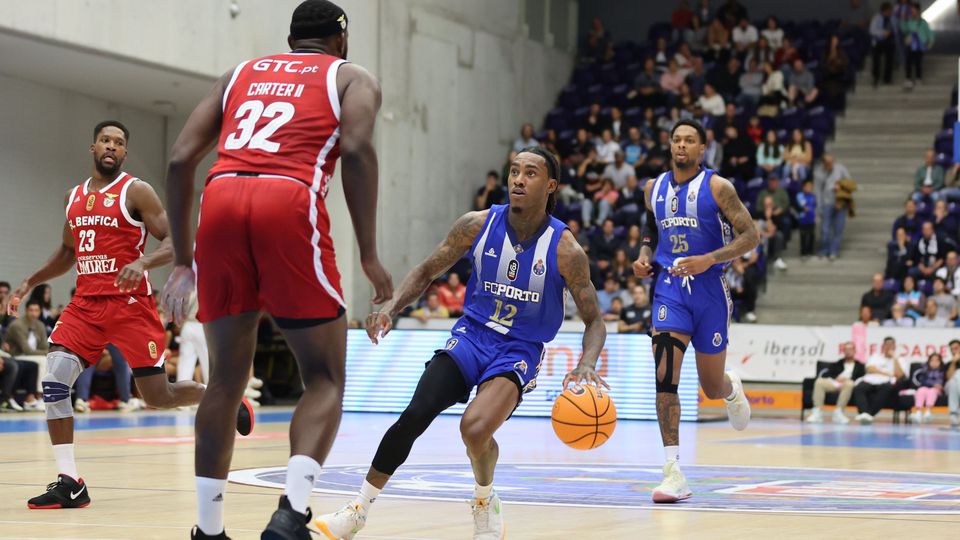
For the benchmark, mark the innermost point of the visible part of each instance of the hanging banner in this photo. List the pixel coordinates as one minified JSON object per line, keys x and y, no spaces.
{"x":780,"y":353}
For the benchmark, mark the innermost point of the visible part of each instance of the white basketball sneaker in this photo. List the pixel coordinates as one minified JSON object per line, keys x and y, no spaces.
{"x":738,"y":410}
{"x":488,"y":518}
{"x":815,"y":416}
{"x":674,"y":486}
{"x":342,"y":524}
{"x":839,"y":417}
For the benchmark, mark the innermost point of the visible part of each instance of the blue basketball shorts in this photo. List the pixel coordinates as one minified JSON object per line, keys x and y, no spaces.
{"x":699,"y":307}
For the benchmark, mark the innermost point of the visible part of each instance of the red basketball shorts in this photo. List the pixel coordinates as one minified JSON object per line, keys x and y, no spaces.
{"x":131,"y":323}
{"x":263,"y":244}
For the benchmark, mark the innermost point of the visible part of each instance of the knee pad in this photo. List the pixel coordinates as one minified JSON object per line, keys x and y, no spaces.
{"x":63,"y":368}
{"x":663,"y":347}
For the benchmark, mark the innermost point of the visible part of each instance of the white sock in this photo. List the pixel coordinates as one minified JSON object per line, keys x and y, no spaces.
{"x":65,"y":461}
{"x":301,"y":472}
{"x":482,"y":492}
{"x":368,"y":494}
{"x":734,"y":389}
{"x":210,"y":504}
{"x":671,"y":453}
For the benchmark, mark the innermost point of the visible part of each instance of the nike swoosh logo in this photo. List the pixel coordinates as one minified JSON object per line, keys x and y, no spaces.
{"x":77,"y":494}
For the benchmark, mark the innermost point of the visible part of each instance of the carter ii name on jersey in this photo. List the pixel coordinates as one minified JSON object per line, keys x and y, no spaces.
{"x":511,"y":292}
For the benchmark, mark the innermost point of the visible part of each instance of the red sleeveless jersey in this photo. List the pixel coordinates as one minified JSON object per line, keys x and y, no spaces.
{"x":281,"y":116}
{"x":106,"y":237}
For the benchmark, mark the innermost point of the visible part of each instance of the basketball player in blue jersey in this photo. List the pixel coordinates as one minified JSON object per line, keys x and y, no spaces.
{"x":522,"y":260}
{"x":696,"y":223}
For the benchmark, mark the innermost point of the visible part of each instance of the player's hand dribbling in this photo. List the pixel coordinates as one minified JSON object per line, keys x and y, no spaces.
{"x":378,"y":325}
{"x":130,"y":276}
{"x":17,"y":296}
{"x":584,"y":374}
{"x":642,"y":267}
{"x":177,"y":291}
{"x":380,"y":279}
{"x":691,"y":266}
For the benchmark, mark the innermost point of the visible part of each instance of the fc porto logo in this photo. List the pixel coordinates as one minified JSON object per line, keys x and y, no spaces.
{"x":662,"y":313}
{"x":539,"y":268}
{"x":512,"y":269}
{"x":674,"y":204}
{"x":451,"y":343}
{"x":692,"y":196}
{"x":110,"y":199}
{"x":90,"y":201}
{"x":521,"y":366}
{"x":717,"y":339}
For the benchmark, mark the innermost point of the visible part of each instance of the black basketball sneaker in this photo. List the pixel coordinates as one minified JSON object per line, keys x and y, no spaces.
{"x":245,"y":418}
{"x":197,"y":534}
{"x":287,"y":524}
{"x":64,"y":493}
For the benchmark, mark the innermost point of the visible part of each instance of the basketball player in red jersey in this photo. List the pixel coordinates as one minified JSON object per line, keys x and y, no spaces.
{"x":263,"y":243}
{"x":108,"y":218}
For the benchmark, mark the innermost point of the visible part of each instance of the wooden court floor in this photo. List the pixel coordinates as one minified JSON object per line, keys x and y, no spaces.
{"x":767,"y":480}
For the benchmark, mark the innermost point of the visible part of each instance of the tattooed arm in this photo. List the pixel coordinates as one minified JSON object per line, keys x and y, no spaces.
{"x":458,"y":240}
{"x":747,"y":237}
{"x":575,"y":269}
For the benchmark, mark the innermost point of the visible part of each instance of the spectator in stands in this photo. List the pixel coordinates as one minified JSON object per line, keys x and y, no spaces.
{"x":761,"y":52}
{"x":711,"y":102}
{"x":658,"y":159}
{"x":929,"y":178}
{"x":785,"y":55}
{"x":112,"y":360}
{"x":685,"y":58}
{"x":833,"y":218}
{"x":899,"y":251}
{"x":621,"y":268}
{"x":682,"y":18}
{"x":950,"y":273}
{"x":801,"y":86}
{"x":731,"y":13}
{"x":596,"y":42}
{"x":582,"y":146}
{"x":661,"y":55}
{"x":773,"y":91}
{"x":879,"y":385}
{"x":634,"y":151}
{"x":525,"y":140}
{"x":4,"y":318}
{"x":607,"y":148}
{"x":27,"y":336}
{"x":431,"y":310}
{"x":619,"y":171}
{"x":944,"y":224}
{"x":616,"y":308}
{"x":739,"y":153}
{"x":605,"y":245}
{"x":8,"y":379}
{"x":953,"y":384}
{"x":751,"y":85}
{"x":646,"y":87}
{"x":635,"y":319}
{"x":697,"y":78}
{"x":931,"y":319}
{"x":754,"y":129}
{"x":898,"y":318}
{"x":741,"y":291}
{"x":807,"y":219}
{"x":672,"y":78}
{"x":909,"y":221}
{"x":878,"y":299}
{"x":712,"y":152}
{"x":781,"y":204}
{"x":718,"y":41}
{"x":928,"y":253}
{"x":770,"y":155}
{"x":42,"y":294}
{"x":917,"y":38}
{"x":881,"y":30}
{"x":929,"y":381}
{"x":834,"y":75}
{"x":729,"y":118}
{"x":727,"y":81}
{"x":491,"y":193}
{"x":632,"y":245}
{"x":595,"y":122}
{"x":451,"y":294}
{"x":604,"y":201}
{"x":910,"y":298}
{"x":630,"y":205}
{"x":579,"y":235}
{"x":771,"y":238}
{"x":611,"y":289}
{"x":744,"y":36}
{"x":797,"y":157}
{"x":837,"y":379}
{"x":773,"y":33}
{"x":866,"y":317}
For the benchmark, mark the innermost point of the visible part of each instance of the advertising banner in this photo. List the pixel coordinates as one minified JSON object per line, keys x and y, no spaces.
{"x":781,"y":353}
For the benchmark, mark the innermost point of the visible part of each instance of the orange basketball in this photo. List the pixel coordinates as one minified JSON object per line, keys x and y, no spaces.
{"x":584,"y":417}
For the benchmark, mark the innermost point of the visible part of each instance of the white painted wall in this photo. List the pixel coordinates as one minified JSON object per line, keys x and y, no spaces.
{"x":458,"y":77}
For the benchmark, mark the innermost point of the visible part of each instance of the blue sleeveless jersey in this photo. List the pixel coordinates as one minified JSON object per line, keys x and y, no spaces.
{"x":516,"y":289}
{"x":689,"y":221}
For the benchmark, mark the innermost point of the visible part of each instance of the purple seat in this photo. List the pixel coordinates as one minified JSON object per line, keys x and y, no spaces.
{"x":609,"y":74}
{"x":944,"y":160}
{"x":792,"y":118}
{"x":943,"y":143}
{"x":820,"y":120}
{"x":557,"y":119}
{"x":949,"y":117}
{"x":892,"y":285}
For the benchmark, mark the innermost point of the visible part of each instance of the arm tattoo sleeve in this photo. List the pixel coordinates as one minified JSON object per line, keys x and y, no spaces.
{"x":747,"y":236}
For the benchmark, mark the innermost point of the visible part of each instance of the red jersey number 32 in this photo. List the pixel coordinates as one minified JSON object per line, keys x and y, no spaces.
{"x":250,"y":113}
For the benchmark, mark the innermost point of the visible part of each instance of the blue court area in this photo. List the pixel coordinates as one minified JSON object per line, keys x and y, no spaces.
{"x":899,"y":437}
{"x":29,"y":423}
